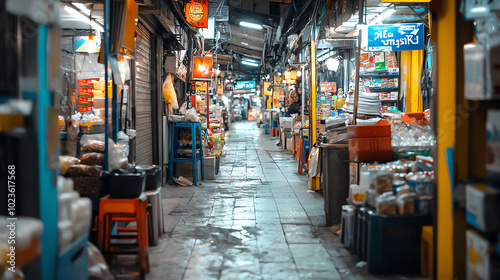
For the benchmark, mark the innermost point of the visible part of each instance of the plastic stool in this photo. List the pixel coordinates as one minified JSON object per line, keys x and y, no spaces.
{"x":154,"y":200}
{"x":128,"y":210}
{"x":195,"y":128}
{"x":347,"y":226}
{"x":426,"y":249}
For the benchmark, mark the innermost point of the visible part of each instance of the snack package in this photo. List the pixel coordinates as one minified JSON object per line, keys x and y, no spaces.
{"x":66,"y":162}
{"x":92,"y":159}
{"x":386,"y":204}
{"x":404,"y":189}
{"x":406,"y":204}
{"x":383,"y":182}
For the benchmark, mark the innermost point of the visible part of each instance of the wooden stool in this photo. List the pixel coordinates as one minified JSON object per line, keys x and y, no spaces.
{"x":124,"y":210}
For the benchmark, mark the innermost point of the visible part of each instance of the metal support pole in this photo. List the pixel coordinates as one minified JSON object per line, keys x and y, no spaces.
{"x":313,"y":127}
{"x":356,"y":80}
{"x":114,"y":112}
{"x":208,"y":108}
{"x":303,"y":94}
{"x":107,"y":13}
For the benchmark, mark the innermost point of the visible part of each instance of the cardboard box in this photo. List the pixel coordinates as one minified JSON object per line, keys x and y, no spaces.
{"x":480,"y":263}
{"x":493,"y":145}
{"x":210,"y":168}
{"x":185,"y":169}
{"x":483,"y":207}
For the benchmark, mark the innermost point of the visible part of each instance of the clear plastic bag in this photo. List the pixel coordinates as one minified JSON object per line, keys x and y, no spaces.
{"x":67,"y":162}
{"x":98,"y":268}
{"x":92,"y":146}
{"x":386,"y":204}
{"x":314,"y":168}
{"x":92,"y":159}
{"x":176,"y":118}
{"x":117,"y":157}
{"x":383,"y":182}
{"x":406,"y":204}
{"x":192,"y":116}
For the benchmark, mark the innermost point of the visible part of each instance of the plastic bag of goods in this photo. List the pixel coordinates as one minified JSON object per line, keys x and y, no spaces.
{"x":386,"y":204}
{"x":66,"y":162}
{"x":98,"y":268}
{"x":192,"y":116}
{"x":169,"y":94}
{"x":406,"y":204}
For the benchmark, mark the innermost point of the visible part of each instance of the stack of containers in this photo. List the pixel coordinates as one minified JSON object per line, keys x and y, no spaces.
{"x":75,"y":213}
{"x":370,"y":143}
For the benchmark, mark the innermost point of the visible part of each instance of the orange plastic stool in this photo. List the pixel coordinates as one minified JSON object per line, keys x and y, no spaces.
{"x":128,"y":210}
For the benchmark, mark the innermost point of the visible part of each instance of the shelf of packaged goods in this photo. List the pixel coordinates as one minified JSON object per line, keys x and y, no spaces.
{"x":380,"y":89}
{"x":379,"y":75}
{"x":389,"y":100}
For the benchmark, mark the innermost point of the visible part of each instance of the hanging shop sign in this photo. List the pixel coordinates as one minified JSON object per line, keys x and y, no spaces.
{"x":268,"y":89}
{"x":328,"y":87}
{"x":396,"y":37}
{"x":197,"y":13}
{"x":202,"y":68}
{"x":245,"y":85}
{"x":201,"y":88}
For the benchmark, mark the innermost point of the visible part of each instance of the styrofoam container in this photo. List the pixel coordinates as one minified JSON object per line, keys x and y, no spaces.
{"x":65,"y":235}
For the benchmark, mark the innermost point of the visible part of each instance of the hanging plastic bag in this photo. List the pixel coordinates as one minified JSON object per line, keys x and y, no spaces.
{"x":192,"y":116}
{"x":98,"y":268}
{"x":314,"y":170}
{"x":183,"y":108}
{"x":169,"y":92}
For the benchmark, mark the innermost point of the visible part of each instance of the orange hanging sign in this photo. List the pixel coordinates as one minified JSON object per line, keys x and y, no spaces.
{"x":197,"y":13}
{"x":202,"y":68}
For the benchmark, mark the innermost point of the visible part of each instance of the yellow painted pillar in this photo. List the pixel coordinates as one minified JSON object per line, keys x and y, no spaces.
{"x":313,"y":126}
{"x":446,"y":122}
{"x":411,"y":64}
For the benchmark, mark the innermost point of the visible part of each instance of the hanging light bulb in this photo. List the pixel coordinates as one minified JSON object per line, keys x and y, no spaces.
{"x":299,"y":73}
{"x":201,"y":67}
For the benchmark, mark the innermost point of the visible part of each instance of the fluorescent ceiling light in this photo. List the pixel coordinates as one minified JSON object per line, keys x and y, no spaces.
{"x":386,"y":14}
{"x":249,"y":63}
{"x":81,"y":17}
{"x":332,"y":64}
{"x":82,"y":8}
{"x":244,"y":43}
{"x":251,"y":25}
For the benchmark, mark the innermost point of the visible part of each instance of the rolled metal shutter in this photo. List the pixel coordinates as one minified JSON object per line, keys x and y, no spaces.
{"x":143,"y":118}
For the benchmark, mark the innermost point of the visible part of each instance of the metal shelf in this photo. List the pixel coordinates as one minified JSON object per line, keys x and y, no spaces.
{"x":380,"y":89}
{"x":379,"y":75}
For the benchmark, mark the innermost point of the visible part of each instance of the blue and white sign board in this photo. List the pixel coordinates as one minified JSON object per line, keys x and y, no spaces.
{"x":396,"y":37}
{"x":245,"y":85}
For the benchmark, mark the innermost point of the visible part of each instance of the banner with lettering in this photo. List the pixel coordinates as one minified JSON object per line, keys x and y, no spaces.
{"x":396,"y":37}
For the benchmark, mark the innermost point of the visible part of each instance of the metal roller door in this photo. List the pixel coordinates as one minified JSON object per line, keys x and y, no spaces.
{"x":143,"y":119}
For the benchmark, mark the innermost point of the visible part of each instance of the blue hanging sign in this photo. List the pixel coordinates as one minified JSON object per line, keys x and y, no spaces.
{"x":396,"y":37}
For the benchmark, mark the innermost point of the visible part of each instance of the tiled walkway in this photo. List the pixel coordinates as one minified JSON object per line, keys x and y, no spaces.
{"x":255,"y":221}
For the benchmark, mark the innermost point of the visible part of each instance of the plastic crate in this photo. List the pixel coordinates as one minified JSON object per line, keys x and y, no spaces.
{"x":370,"y":149}
{"x":394,"y":243}
{"x":73,"y":261}
{"x":368,"y":131}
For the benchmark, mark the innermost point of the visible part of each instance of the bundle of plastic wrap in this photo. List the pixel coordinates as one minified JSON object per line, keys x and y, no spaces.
{"x":336,"y":129}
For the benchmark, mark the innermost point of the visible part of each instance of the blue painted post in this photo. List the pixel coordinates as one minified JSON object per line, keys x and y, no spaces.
{"x":48,"y":192}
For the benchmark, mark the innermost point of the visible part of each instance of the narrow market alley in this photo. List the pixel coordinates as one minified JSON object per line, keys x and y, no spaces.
{"x":257,"y":220}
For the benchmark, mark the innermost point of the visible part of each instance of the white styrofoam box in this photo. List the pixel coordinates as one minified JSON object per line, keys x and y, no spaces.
{"x":478,"y":256}
{"x":83,"y":206}
{"x":289,"y":145}
{"x":482,"y":69}
{"x":209,"y":161}
{"x":287,"y":122}
{"x":65,"y":235}
{"x":493,"y":144}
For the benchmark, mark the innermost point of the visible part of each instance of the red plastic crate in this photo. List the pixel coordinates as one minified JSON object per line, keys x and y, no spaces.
{"x":368,"y":131}
{"x":370,"y":149}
